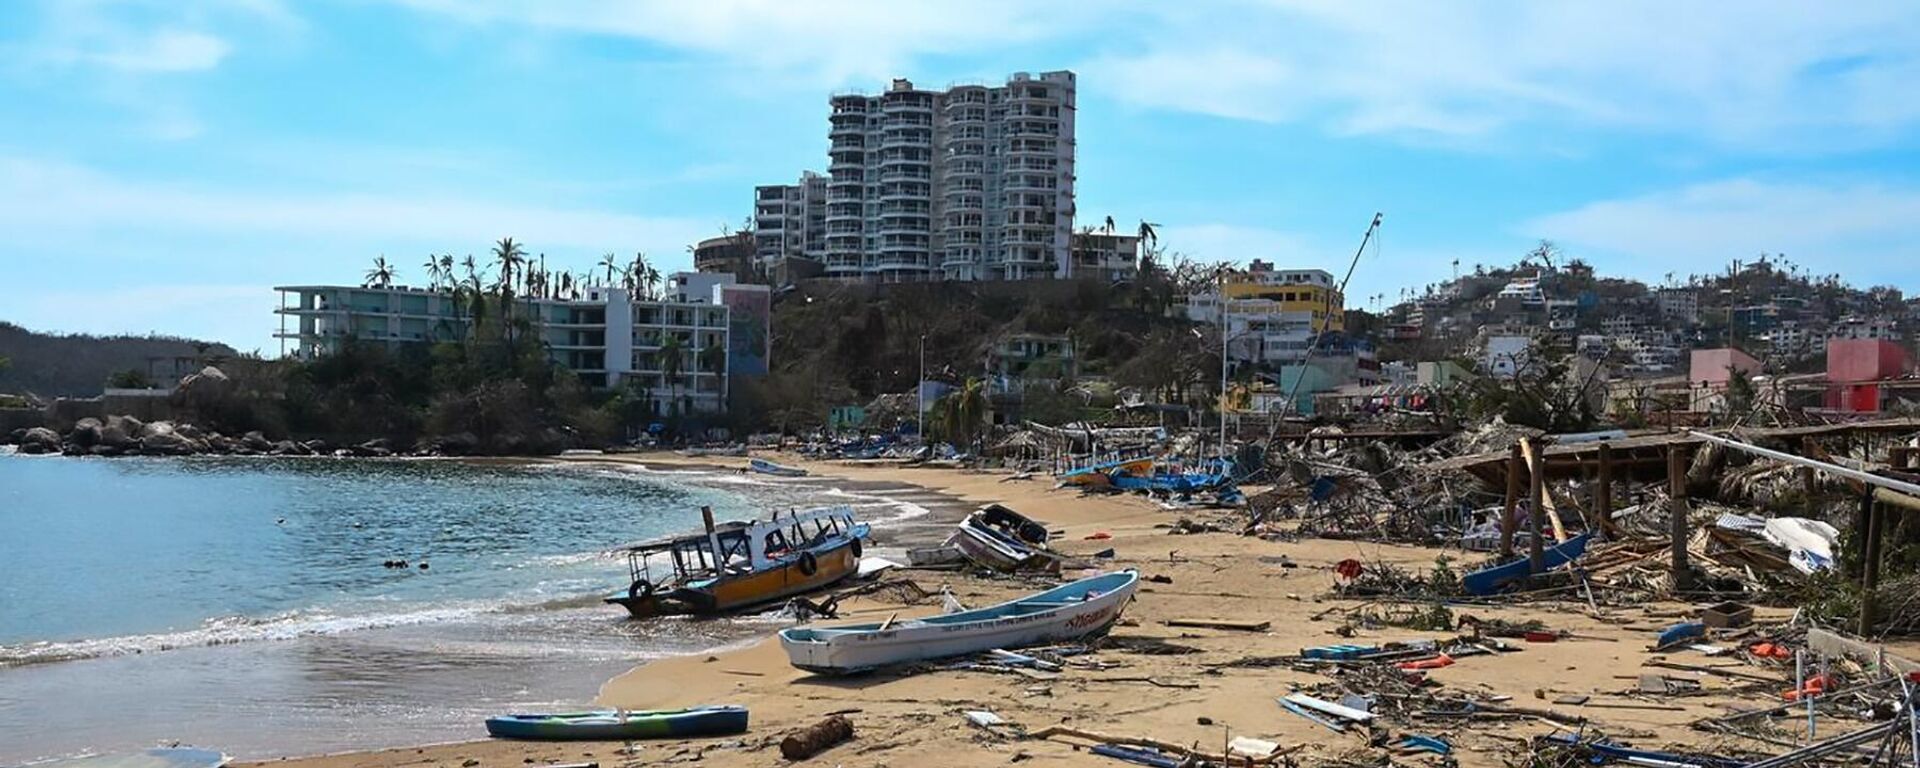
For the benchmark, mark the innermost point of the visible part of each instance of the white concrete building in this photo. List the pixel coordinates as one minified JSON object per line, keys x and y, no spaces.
{"x":970,"y":183}
{"x":1524,"y":289}
{"x":1859,"y":327}
{"x":1506,"y":356}
{"x":790,"y":221}
{"x":606,"y":337}
{"x":1107,"y":256}
{"x":1680,"y":304}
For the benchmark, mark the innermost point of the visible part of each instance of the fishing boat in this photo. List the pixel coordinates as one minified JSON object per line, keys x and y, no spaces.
{"x":1100,"y":474}
{"x":771,"y":468}
{"x":621,"y":725}
{"x":1071,"y":611}
{"x":735,"y":565}
{"x":1487,"y":581}
{"x":1004,"y":540}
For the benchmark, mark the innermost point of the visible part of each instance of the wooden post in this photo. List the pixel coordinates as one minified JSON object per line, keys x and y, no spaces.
{"x":1677,"y":514}
{"x":1603,"y":491}
{"x":1536,"y":512}
{"x":1512,"y":503}
{"x":1869,"y":562}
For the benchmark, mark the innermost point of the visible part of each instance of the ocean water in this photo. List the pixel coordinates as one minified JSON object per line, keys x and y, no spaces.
{"x":242,"y":603}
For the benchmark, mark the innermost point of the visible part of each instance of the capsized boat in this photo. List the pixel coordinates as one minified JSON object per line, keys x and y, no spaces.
{"x":1487,"y":581}
{"x":1078,"y":609}
{"x":621,"y":725}
{"x":735,"y":565}
{"x":772,"y":468}
{"x":999,"y":538}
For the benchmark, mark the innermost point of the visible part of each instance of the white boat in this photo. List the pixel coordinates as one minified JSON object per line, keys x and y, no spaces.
{"x":1079,"y":609}
{"x":1004,"y":540}
{"x":771,"y":468}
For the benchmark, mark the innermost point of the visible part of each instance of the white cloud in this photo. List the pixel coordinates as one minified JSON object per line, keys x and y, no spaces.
{"x":1864,"y":231}
{"x":1767,"y":75}
{"x":835,"y":42}
{"x":166,"y":50}
{"x":61,"y":202}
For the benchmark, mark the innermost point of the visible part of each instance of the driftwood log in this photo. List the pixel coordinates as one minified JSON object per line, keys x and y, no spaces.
{"x":816,"y":738}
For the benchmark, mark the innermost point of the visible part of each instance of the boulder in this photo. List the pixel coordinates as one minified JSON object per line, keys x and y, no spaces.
{"x":121,"y":432}
{"x":153,"y":428}
{"x":456,"y":444}
{"x":288,"y":448}
{"x":40,"y":440}
{"x":378,"y":447}
{"x":189,"y":432}
{"x":14,"y":437}
{"x":256,"y":441}
{"x":210,"y":385}
{"x":85,"y":433}
{"x":219,"y":443}
{"x":317,"y":447}
{"x":163,"y":439}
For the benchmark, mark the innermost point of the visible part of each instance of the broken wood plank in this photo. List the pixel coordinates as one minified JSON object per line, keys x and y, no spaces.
{"x":1244,"y":625}
{"x":1546,"y":499}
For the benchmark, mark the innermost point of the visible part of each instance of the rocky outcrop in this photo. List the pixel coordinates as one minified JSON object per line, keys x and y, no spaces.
{"x":161,"y":438}
{"x":40,"y":440}
{"x":85,"y":434}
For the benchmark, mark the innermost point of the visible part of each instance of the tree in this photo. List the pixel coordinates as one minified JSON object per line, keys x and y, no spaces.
{"x":612,"y":265}
{"x":131,"y":378}
{"x":713,"y":358}
{"x":671,"y":350}
{"x":960,"y":416}
{"x":511,"y":256}
{"x":1149,"y":235}
{"x":433,"y":272}
{"x":381,"y":275}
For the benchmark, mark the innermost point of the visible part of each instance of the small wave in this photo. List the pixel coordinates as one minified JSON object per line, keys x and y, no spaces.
{"x":229,"y":630}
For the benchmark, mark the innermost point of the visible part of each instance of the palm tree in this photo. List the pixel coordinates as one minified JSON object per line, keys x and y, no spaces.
{"x":433,"y":272}
{"x":381,"y":276}
{"x":1149,"y":234}
{"x":473,"y":275}
{"x":713,"y":358}
{"x":1109,"y":225}
{"x":612,"y":264}
{"x":446,"y":268}
{"x":510,"y":255}
{"x":962,"y":413}
{"x":670,"y":350}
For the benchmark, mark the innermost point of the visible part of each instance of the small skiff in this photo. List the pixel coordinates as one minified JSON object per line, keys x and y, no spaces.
{"x":1078,"y":609}
{"x":765,"y":467}
{"x":616,"y":725}
{"x":1004,"y":540}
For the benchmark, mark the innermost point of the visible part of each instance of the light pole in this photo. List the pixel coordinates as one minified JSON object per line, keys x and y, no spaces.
{"x":1224,"y":331}
{"x":920,"y":394}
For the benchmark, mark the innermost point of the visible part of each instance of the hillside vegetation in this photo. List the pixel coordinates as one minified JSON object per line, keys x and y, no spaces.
{"x":53,"y":365}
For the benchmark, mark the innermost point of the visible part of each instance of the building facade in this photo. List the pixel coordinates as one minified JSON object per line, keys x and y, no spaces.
{"x":1105,"y":256}
{"x":1272,"y":315}
{"x":727,"y":255}
{"x":971,"y":183}
{"x":790,"y":223}
{"x":606,"y":337}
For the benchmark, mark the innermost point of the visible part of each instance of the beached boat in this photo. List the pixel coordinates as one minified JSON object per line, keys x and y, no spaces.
{"x":619,"y":725}
{"x":1071,"y":611}
{"x":739,"y":564}
{"x":1487,"y":581}
{"x":1004,"y":540}
{"x":1100,"y":474}
{"x":771,"y":468}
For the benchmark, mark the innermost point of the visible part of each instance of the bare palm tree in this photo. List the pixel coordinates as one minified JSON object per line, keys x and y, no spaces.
{"x":671,"y":349}
{"x":433,"y":272}
{"x":1149,"y":234}
{"x":612,"y":265}
{"x":1109,"y":225}
{"x":381,"y":275}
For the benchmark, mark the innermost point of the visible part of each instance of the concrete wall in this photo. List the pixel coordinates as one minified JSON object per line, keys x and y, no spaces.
{"x":20,"y":418}
{"x":1713,"y":366}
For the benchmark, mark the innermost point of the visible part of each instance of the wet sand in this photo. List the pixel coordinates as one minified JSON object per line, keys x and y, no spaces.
{"x":917,"y":720}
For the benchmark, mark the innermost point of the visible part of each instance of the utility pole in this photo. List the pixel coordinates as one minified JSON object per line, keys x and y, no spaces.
{"x":1223,"y":363}
{"x":920,"y":395}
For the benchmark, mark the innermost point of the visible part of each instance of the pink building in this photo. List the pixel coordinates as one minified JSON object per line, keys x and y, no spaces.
{"x":1855,"y":368}
{"x":1713,"y":367}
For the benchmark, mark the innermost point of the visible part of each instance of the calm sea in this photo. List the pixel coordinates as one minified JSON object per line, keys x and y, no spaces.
{"x":243,"y":605}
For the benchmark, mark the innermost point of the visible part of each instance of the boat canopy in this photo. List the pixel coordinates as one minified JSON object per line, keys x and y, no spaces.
{"x":744,"y":547}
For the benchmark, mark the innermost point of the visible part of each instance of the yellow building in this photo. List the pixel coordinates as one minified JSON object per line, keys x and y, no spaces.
{"x":1298,"y":293}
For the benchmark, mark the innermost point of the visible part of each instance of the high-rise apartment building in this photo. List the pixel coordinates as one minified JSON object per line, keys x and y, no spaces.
{"x":971,"y":183}
{"x":790,"y":221}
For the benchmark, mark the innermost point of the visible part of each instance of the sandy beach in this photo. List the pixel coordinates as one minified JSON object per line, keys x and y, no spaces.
{"x":1188,"y":698}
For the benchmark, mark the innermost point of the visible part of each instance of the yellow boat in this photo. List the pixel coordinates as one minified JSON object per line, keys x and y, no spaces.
{"x":737,"y":565}
{"x":1101,"y":474}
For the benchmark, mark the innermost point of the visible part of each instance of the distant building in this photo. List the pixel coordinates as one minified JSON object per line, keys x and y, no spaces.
{"x":1859,"y":327}
{"x":606,"y":338}
{"x":1505,"y":356}
{"x":1679,"y":305}
{"x":727,"y":254}
{"x":971,"y":183}
{"x":1715,"y":367}
{"x":1523,"y":290}
{"x":790,"y":223}
{"x":1106,"y":256}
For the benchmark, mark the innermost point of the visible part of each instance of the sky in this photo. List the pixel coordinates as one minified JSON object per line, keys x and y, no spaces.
{"x":164,"y":164}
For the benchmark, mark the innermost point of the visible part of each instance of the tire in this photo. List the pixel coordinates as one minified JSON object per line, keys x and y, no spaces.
{"x":856,"y":548}
{"x":809,"y":565}
{"x":640,"y":589}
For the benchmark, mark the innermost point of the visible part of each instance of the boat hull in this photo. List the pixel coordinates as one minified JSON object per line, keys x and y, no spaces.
{"x":614,"y":725}
{"x":1490,"y":580}
{"x":736,"y":592}
{"x":1084,"y":608}
{"x":780,"y":470}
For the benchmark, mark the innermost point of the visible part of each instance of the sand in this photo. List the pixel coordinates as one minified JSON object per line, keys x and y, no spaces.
{"x":918,"y":720}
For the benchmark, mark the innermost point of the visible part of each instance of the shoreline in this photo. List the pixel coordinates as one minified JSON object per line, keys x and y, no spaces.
{"x":1197,"y":695}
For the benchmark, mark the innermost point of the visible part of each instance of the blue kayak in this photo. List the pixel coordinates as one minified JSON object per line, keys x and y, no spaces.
{"x":615,"y":725}
{"x":1490,"y":580}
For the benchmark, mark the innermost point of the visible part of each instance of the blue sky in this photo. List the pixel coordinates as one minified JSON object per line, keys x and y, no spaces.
{"x":163,"y":164}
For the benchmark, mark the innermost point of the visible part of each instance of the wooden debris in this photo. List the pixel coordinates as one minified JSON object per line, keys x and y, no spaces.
{"x":816,"y":738}
{"x":1235,"y":624}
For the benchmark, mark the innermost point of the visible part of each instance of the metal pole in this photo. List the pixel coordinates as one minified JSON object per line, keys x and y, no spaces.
{"x":1512,"y":502}
{"x":1832,"y":469}
{"x":920,"y":395}
{"x":1223,"y":364}
{"x":1870,"y":563}
{"x":1603,"y":492}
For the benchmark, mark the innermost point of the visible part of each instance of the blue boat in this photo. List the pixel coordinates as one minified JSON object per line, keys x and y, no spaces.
{"x":618,"y":725}
{"x":1490,"y":580}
